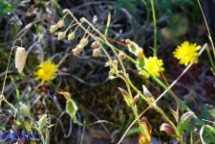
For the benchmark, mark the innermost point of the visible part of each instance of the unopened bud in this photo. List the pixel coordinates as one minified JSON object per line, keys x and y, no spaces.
{"x":136,"y":98}
{"x":96,"y":52}
{"x":122,"y":55}
{"x":20,"y":58}
{"x":53,"y":28}
{"x":139,"y":52}
{"x":145,"y":129}
{"x":82,"y":19}
{"x":75,"y":52}
{"x":128,"y":41}
{"x":71,"y":36}
{"x":60,"y":35}
{"x":24,"y":110}
{"x":95,"y":44}
{"x":42,"y":122}
{"x":84,"y":42}
{"x":60,"y":24}
{"x":126,"y":96}
{"x":167,"y":128}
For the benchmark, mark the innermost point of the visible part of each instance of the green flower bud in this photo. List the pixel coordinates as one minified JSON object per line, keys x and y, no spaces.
{"x":53,"y":28}
{"x":84,"y":42}
{"x":42,"y":122}
{"x":71,"y":36}
{"x":60,"y":24}
{"x":24,"y":110}
{"x":60,"y":35}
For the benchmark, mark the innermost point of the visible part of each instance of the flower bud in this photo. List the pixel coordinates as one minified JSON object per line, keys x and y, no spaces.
{"x":95,"y":44}
{"x":122,"y":55}
{"x":128,"y":41}
{"x":126,"y":96}
{"x":53,"y":28}
{"x":75,"y":52}
{"x":24,"y":110}
{"x":79,"y":47}
{"x":96,"y":52}
{"x":42,"y":122}
{"x":136,"y":98}
{"x":168,"y":129}
{"x":139,"y":52}
{"x":71,"y":36}
{"x":60,"y":24}
{"x":60,"y":35}
{"x":185,"y":119}
{"x":20,"y":58}
{"x":84,"y":42}
{"x":145,"y":129}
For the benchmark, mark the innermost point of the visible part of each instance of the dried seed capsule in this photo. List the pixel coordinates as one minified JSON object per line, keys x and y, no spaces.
{"x":20,"y":58}
{"x":53,"y":28}
{"x":71,"y":36}
{"x":95,"y":44}
{"x":60,"y":24}
{"x":60,"y":35}
{"x":96,"y":52}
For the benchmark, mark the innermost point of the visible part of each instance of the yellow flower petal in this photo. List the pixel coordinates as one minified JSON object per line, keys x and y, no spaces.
{"x":46,"y":71}
{"x":154,"y":66}
{"x":186,"y":53}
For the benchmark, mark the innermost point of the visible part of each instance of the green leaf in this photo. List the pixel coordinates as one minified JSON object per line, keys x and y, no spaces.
{"x":185,"y":119}
{"x":71,"y":107}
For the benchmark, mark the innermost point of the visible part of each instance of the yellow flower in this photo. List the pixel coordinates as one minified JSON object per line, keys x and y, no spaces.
{"x":46,"y":71}
{"x":186,"y":53}
{"x":154,"y":66}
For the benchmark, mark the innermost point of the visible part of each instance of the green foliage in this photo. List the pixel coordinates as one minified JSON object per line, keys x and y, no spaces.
{"x":129,"y":5}
{"x":7,"y":7}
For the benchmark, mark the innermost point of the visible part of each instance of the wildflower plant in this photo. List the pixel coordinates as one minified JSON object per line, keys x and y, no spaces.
{"x":148,"y":66}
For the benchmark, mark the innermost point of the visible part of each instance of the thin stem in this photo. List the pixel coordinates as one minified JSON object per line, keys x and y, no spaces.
{"x":155,"y":27}
{"x":208,"y":29}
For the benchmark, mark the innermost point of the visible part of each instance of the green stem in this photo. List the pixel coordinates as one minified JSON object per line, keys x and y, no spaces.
{"x":155,"y":27}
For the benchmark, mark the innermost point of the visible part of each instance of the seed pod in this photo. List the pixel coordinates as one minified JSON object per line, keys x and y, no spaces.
{"x":53,"y":28}
{"x":20,"y":58}
{"x":60,"y":24}
{"x":95,"y":44}
{"x":71,"y":36}
{"x":60,"y":35}
{"x":96,"y":52}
